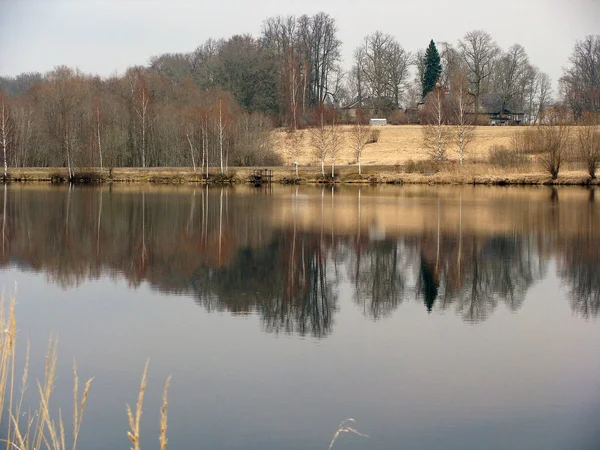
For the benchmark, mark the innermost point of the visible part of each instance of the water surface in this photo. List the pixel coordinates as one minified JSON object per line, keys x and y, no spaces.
{"x":450,"y":317}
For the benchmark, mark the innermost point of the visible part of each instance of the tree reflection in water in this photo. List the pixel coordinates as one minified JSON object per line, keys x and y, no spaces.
{"x":251,"y":252}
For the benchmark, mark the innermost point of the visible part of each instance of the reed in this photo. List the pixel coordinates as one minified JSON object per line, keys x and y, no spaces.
{"x":43,"y":429}
{"x":40,"y":429}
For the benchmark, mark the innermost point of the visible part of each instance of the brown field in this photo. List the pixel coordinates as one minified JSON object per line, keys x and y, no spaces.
{"x":396,"y":145}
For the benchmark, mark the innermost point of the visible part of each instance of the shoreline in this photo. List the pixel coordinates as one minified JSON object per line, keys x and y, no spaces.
{"x":470,"y":174}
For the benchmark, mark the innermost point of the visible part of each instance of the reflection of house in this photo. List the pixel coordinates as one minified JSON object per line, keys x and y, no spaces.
{"x":506,"y":117}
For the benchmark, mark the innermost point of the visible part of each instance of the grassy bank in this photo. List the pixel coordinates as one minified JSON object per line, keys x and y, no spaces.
{"x":423,"y":172}
{"x":397,"y":156}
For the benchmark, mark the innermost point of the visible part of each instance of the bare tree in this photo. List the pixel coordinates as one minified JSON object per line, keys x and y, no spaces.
{"x":279,"y":34}
{"x":535,"y":93}
{"x":580,"y":83}
{"x":190,"y":134}
{"x":356,"y":79}
{"x":336,"y":141}
{"x":451,"y":62}
{"x":98,"y":124}
{"x":435,"y":132}
{"x":205,"y":63}
{"x":221,"y":129}
{"x":399,"y":67}
{"x":293,"y":84}
{"x":26,"y":131}
{"x":359,"y":135}
{"x":381,"y":69}
{"x":141,"y":103}
{"x":588,"y":141}
{"x":544,"y":94}
{"x":462,"y":113}
{"x":319,"y":139}
{"x":318,"y":42}
{"x":6,"y":129}
{"x":62,"y":103}
{"x":552,"y":140}
{"x":510,"y":71}
{"x":375,"y":62}
{"x":478,"y":51}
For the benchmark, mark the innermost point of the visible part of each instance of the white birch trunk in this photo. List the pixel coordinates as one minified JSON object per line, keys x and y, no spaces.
{"x":187,"y":135}
{"x":4,"y":132}
{"x":221,"y":135}
{"x":98,"y":135}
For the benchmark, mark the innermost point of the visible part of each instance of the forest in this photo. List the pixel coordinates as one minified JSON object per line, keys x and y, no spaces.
{"x":217,"y":105}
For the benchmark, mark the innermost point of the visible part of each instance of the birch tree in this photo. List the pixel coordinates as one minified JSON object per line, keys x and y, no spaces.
{"x":336,"y":141}
{"x":462,"y":113}
{"x":6,"y":129}
{"x":359,"y":135}
{"x":319,"y":139}
{"x":141,"y":103}
{"x":98,"y":122}
{"x":435,"y":133}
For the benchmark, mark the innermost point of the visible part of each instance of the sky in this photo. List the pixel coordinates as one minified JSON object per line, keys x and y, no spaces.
{"x":106,"y":36}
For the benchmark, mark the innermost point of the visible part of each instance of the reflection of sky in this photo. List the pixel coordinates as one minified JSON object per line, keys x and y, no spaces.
{"x":414,"y":380}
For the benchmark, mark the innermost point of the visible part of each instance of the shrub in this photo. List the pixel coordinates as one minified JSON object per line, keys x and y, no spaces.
{"x":588,"y":142}
{"x":501,"y":156}
{"x":425,"y":167}
{"x":397,"y":117}
{"x":374,"y":136}
{"x":554,"y":142}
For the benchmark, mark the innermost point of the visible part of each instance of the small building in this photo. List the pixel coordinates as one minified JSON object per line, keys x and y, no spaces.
{"x":378,"y":122}
{"x":506,"y":117}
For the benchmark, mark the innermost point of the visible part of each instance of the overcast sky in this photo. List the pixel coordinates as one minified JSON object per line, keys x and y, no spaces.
{"x":107,"y":36}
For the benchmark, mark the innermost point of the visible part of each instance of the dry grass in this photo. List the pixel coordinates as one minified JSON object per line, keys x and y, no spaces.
{"x":397,"y":156}
{"x":134,"y":423}
{"x":394,"y":149}
{"x":345,"y":427}
{"x":40,"y":429}
{"x":396,"y":144}
{"x":410,"y":171}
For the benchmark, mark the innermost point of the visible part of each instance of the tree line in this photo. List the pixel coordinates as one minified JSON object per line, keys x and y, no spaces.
{"x":216,"y":105}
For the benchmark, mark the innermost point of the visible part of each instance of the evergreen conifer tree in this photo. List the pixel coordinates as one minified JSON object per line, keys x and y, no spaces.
{"x":433,"y":68}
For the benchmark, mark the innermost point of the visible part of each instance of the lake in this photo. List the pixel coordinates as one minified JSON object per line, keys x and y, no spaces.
{"x":436,"y":317}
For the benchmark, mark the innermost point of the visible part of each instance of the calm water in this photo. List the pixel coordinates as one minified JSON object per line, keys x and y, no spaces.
{"x":442,"y":318}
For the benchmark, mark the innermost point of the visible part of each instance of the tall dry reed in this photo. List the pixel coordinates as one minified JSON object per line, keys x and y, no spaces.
{"x":41,"y":429}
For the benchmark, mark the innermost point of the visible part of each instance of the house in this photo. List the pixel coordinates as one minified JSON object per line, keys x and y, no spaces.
{"x":505,"y":117}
